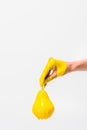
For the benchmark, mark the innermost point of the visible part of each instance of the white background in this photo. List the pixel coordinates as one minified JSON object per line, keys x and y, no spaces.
{"x":31,"y":31}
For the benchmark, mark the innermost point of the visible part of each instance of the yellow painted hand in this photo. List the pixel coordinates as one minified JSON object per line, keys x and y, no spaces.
{"x":53,"y":64}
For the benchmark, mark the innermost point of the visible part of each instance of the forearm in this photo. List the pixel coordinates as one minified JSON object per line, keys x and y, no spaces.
{"x":80,"y":65}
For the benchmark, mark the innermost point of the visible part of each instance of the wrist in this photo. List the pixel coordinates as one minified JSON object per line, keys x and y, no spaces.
{"x":71,"y":67}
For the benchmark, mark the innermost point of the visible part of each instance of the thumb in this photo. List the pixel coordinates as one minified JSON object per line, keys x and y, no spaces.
{"x":52,"y":76}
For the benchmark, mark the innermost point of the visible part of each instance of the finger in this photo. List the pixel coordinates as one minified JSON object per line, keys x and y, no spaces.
{"x":45,"y":73}
{"x":51,"y":76}
{"x":54,"y":74}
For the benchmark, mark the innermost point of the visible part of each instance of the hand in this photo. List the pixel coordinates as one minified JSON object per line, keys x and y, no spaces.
{"x":54,"y":68}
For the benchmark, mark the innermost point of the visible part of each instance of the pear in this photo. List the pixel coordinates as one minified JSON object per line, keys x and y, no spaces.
{"x":43,"y":107}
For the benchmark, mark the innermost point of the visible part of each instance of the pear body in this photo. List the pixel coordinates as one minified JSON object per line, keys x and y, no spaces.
{"x":43,"y":107}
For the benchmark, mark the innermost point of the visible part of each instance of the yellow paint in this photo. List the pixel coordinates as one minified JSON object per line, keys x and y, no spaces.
{"x":52,"y":63}
{"x":43,"y":107}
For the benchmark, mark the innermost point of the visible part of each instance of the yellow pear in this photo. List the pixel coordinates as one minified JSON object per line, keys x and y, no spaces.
{"x":43,"y":106}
